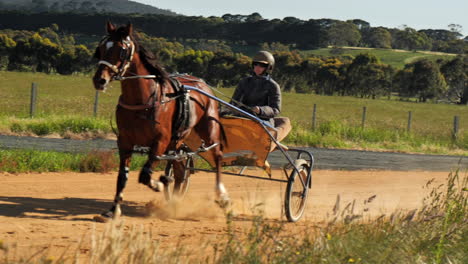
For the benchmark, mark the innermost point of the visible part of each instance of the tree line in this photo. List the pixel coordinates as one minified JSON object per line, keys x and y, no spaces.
{"x":251,"y":30}
{"x":49,"y":50}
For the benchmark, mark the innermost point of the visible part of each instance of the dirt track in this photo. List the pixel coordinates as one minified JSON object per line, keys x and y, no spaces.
{"x":55,"y":210}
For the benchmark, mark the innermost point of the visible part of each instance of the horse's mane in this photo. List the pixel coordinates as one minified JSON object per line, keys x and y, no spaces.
{"x":151,"y":64}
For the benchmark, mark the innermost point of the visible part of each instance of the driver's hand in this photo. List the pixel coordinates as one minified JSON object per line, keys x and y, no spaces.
{"x":256,"y":109}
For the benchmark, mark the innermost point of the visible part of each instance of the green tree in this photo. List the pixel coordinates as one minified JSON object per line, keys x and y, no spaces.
{"x":343,"y":34}
{"x":35,"y":53}
{"x":367,"y":77}
{"x":458,"y":46}
{"x":7,"y":45}
{"x":226,"y":69}
{"x":402,"y":82}
{"x":45,"y":52}
{"x":74,"y":59}
{"x":456,"y":75}
{"x":330,"y":76}
{"x":426,"y":81}
{"x":410,"y":39}
{"x":254,"y":17}
{"x":194,"y":62}
{"x":456,"y":29}
{"x":288,"y":70}
{"x":379,"y":38}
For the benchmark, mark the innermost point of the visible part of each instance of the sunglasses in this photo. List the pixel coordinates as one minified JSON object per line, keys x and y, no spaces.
{"x":264,"y":65}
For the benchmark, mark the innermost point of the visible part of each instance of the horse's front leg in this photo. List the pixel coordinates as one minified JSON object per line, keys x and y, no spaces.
{"x":147,"y":170}
{"x":115,"y":211}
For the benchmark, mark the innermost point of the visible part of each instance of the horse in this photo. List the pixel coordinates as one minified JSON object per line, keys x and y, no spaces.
{"x":148,"y":112}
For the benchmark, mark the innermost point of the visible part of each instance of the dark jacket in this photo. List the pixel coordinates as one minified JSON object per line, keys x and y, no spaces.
{"x":261,"y":91}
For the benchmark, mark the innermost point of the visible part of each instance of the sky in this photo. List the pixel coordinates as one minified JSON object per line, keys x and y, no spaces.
{"x":417,"y":14}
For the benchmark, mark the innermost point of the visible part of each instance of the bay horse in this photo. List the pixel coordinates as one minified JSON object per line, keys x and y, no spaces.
{"x":147,"y":111}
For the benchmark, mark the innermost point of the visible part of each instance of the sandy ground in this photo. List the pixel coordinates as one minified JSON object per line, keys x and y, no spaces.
{"x":54,"y":211}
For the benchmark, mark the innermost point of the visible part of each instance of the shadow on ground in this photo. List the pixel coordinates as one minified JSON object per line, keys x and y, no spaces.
{"x":67,"y":208}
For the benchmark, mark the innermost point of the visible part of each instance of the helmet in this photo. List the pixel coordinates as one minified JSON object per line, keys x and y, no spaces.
{"x":265,"y":57}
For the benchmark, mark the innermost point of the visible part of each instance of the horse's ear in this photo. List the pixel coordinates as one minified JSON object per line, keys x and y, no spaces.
{"x":110,"y":27}
{"x":97,"y":53}
{"x":129,"y":29}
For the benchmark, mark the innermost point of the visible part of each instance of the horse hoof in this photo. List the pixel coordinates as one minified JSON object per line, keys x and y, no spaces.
{"x":101,"y":219}
{"x":108,"y":216}
{"x":223,"y":201}
{"x":157,"y":186}
{"x":166,"y":180}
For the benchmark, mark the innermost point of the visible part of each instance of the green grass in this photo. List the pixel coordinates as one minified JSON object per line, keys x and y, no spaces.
{"x":59,"y":124}
{"x":395,"y":58}
{"x":65,"y":105}
{"x":58,"y":95}
{"x":29,"y":160}
{"x":20,"y":161}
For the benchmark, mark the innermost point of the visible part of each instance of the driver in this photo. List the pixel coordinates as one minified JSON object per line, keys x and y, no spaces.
{"x":260,"y":95}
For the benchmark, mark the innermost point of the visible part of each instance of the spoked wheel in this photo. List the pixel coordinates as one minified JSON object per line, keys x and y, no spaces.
{"x":177,"y":187}
{"x":296,"y":191}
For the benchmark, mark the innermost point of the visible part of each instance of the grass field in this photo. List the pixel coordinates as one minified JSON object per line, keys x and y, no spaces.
{"x":395,"y":58}
{"x":66,"y":103}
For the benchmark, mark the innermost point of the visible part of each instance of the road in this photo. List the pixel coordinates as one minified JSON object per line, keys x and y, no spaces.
{"x":331,"y":159}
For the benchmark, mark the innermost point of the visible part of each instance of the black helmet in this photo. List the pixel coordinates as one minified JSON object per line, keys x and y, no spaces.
{"x":265,"y":57}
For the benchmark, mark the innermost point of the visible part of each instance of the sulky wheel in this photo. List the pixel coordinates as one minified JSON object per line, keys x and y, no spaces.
{"x":296,"y":191}
{"x":176,"y":187}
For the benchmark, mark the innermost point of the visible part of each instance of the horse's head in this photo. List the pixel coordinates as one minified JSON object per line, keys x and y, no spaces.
{"x":115,"y":52}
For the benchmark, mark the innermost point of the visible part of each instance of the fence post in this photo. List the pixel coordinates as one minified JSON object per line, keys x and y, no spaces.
{"x":96,"y":102}
{"x":456,"y":121}
{"x":364,"y":113}
{"x":314,"y":117}
{"x":410,"y":118}
{"x":32,"y":107}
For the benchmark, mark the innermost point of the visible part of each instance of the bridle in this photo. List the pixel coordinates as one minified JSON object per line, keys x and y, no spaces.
{"x":126,"y":57}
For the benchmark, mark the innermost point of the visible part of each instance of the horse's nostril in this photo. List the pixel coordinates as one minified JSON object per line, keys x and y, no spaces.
{"x":102,"y":81}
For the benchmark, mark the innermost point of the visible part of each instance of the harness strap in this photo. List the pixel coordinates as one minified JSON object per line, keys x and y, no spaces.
{"x":137,"y":107}
{"x":108,"y":64}
{"x":152,"y":101}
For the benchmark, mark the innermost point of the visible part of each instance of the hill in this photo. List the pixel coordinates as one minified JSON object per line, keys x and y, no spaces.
{"x":82,"y":6}
{"x":394,"y":57}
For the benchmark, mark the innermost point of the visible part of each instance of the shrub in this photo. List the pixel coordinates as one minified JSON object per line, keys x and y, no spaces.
{"x":99,"y":161}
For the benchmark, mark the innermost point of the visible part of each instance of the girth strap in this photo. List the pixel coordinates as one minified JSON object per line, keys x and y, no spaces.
{"x":182,"y":117}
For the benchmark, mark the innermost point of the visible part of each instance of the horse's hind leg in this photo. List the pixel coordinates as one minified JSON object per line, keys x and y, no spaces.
{"x":179,"y":171}
{"x":210,"y":132}
{"x":221,"y":192}
{"x":115,"y":211}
